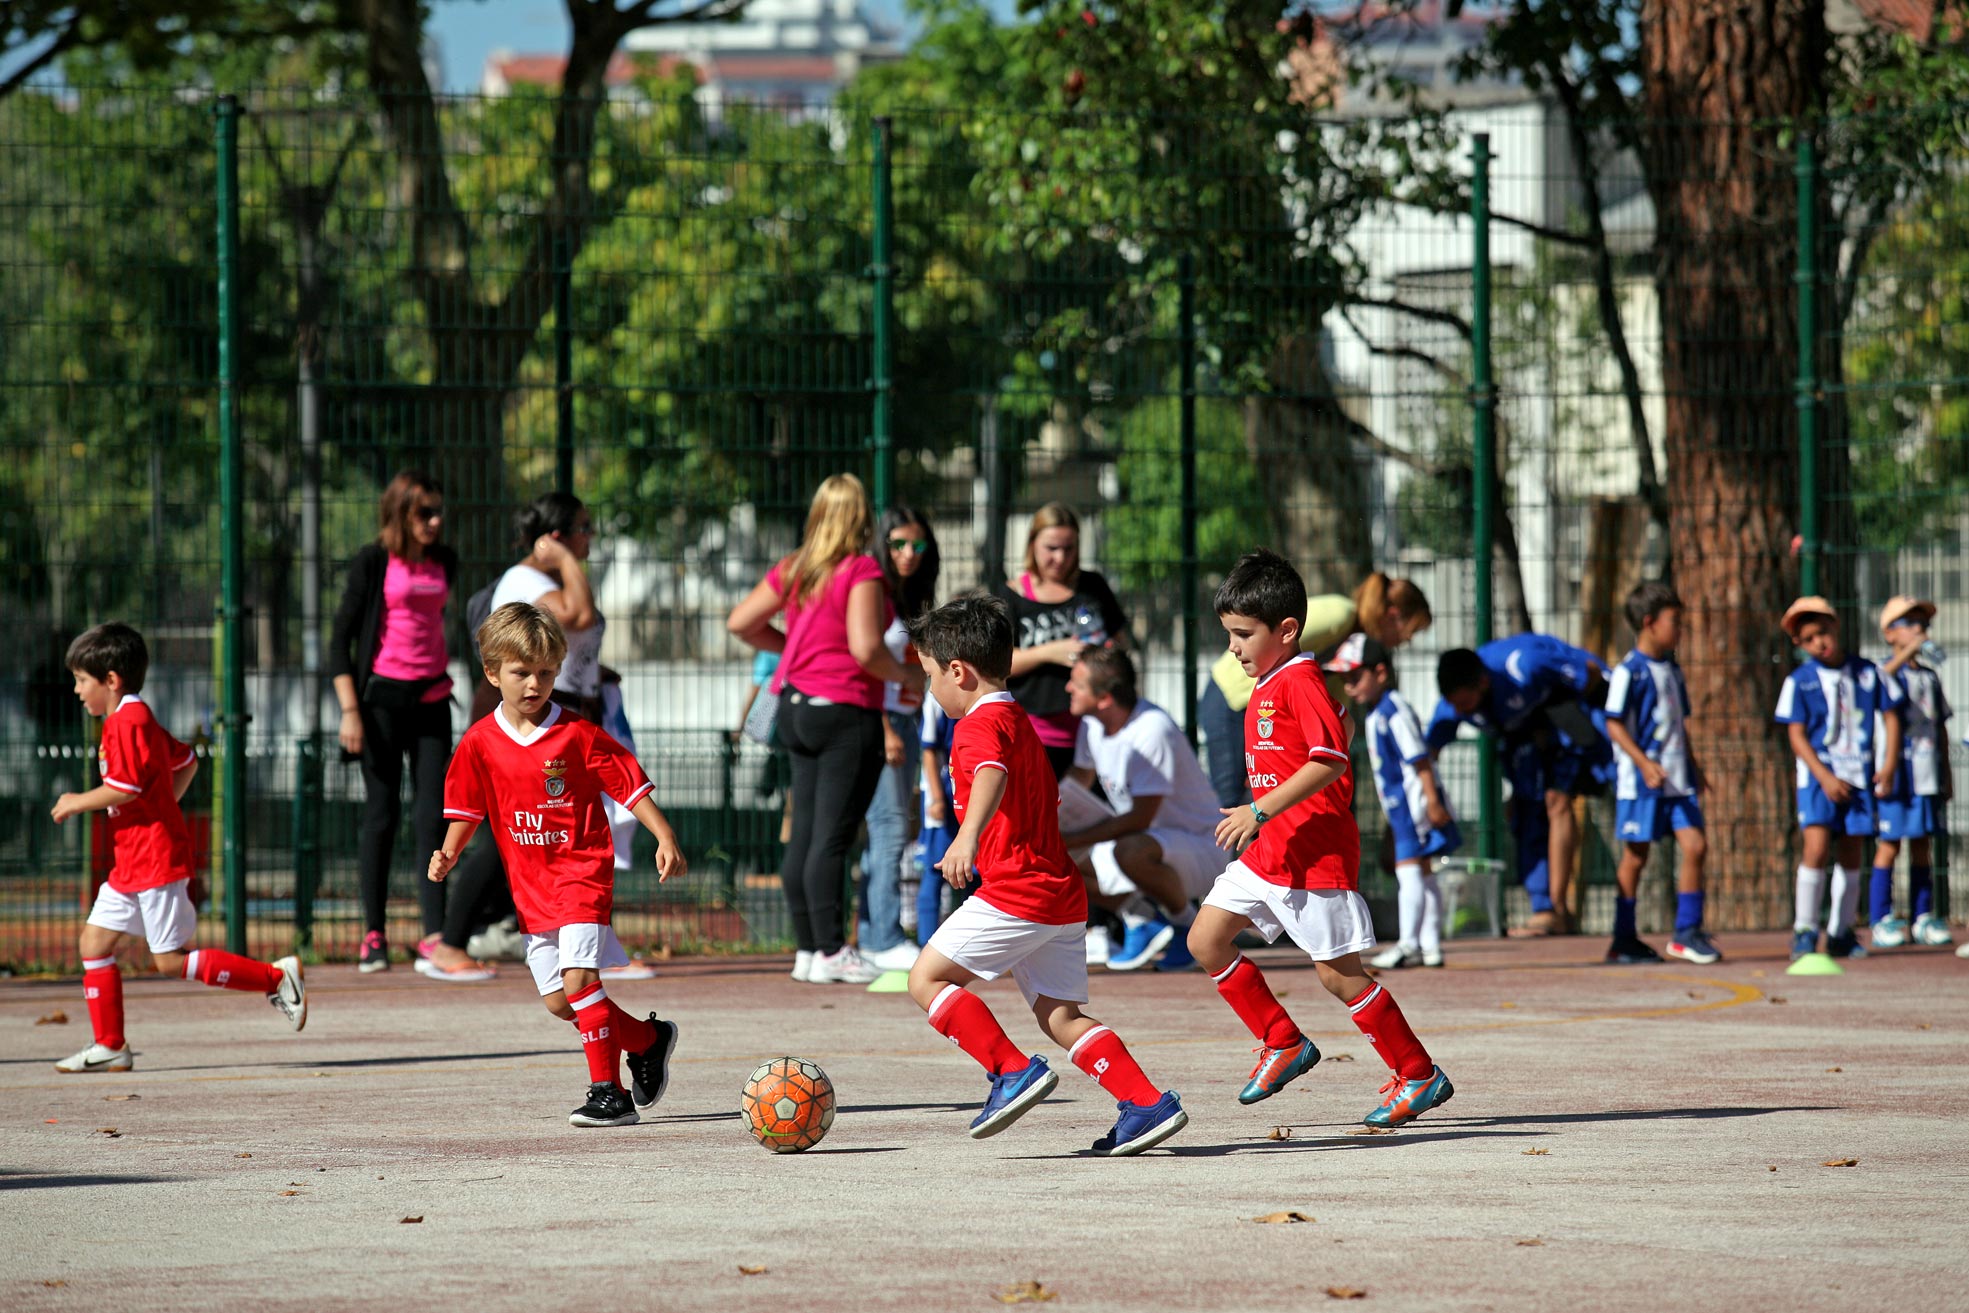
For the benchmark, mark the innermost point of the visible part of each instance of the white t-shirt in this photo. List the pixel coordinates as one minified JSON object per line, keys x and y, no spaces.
{"x":1149,"y":758}
{"x":896,"y":699}
{"x":581,"y":672}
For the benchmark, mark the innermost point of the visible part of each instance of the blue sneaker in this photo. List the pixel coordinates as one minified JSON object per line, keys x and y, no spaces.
{"x":1405,"y":1100}
{"x":1803,"y":942}
{"x":1141,"y":945}
{"x":1844,"y":944}
{"x":1011,"y":1095}
{"x":1278,"y":1068}
{"x":1143,"y":1126}
{"x":1178,"y":958}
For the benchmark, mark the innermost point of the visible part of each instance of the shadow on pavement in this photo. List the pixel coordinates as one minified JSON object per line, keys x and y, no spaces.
{"x":58,"y":1180}
{"x":1634,"y":1115}
{"x":395,"y":1060}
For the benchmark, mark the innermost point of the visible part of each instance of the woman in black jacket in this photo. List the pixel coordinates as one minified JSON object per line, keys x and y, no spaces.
{"x":388,"y":657}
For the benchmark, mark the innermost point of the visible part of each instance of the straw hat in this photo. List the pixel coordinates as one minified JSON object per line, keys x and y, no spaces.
{"x":1806,"y":608}
{"x":1905,"y":608}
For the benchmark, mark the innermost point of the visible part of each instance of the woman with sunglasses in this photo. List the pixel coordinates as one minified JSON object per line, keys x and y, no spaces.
{"x":907,"y":553}
{"x":388,"y":660}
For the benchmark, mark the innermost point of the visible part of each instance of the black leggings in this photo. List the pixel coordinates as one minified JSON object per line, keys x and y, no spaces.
{"x":422,"y":732}
{"x":479,"y":893}
{"x":836,"y":755}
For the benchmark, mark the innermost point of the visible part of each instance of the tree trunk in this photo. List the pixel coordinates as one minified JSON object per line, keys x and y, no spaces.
{"x":1716,"y":79}
{"x":1302,"y":444}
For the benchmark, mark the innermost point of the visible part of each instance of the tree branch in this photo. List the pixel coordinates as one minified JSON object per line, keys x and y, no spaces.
{"x":70,"y":38}
{"x":1427,"y":313}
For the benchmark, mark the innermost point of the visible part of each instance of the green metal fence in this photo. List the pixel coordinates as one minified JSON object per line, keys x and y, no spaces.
{"x":1181,"y":327}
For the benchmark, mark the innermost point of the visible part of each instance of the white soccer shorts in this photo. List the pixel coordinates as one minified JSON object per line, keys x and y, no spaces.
{"x":164,"y":916}
{"x":590,"y":946}
{"x":1327,"y":923}
{"x":1043,"y":959}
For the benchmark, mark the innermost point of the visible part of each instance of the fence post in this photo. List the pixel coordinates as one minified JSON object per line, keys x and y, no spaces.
{"x":885,"y":309}
{"x":1186,"y":337}
{"x":1807,"y":388}
{"x":563,"y":366}
{"x":232,"y":546}
{"x":1483,"y":467}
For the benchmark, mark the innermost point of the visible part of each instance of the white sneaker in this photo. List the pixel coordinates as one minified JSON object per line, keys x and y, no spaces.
{"x":1434,"y":959}
{"x":1391,"y":958}
{"x":1097,"y":946}
{"x":846,"y":967}
{"x":900,"y":957}
{"x":292,"y":996}
{"x":1931,"y":930}
{"x":1963,"y":951}
{"x":96,"y":1057}
{"x":803,"y":965}
{"x":1889,"y":932}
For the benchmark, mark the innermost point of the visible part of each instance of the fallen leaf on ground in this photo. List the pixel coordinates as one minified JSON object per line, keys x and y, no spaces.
{"x":55,"y":1018}
{"x":1840,"y":1162}
{"x":1340,"y":1057}
{"x":1279,"y":1133}
{"x":751,"y":1269}
{"x":286,"y":1194}
{"x":1757,"y":973}
{"x":1372,"y":1130}
{"x":1922,"y":1025}
{"x":1507,"y":1005}
{"x":1695,"y":993}
{"x":1345,"y":1292}
{"x":409,"y":1220}
{"x":1536,"y":1153}
{"x":1533,"y":1241}
{"x":1777,"y":998}
{"x":1835,"y":1069}
{"x":248,"y":1155}
{"x":120,"y":1098}
{"x":110,"y":1131}
{"x":52,"y":1284}
{"x":52,"y":1121}
{"x":1774,"y":1167}
{"x":1026,"y":1292}
{"x":1283,"y":1219}
{"x":1281,"y":993}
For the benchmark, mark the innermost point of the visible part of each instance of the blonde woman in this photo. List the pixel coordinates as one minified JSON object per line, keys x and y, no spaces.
{"x":1390,"y":611}
{"x":832,"y":669}
{"x":1057,"y":609}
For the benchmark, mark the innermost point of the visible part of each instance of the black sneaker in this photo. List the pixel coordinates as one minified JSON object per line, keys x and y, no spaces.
{"x":607,"y":1106}
{"x":1844,"y":944}
{"x":1629,"y":952}
{"x":649,"y":1071}
{"x":375,"y":953}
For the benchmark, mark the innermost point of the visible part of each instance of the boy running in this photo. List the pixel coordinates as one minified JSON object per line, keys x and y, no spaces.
{"x":1655,"y":792}
{"x":1029,"y":913}
{"x":144,"y":772}
{"x":1300,"y":869}
{"x":542,"y":774}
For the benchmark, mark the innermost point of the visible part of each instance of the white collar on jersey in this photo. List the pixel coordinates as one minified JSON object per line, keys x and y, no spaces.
{"x":989,"y":698}
{"x":128,"y":698}
{"x":1281,"y":669}
{"x":525,"y":740}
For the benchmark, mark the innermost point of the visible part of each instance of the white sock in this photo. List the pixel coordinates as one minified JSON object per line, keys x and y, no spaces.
{"x":1137,"y":911}
{"x":1432,"y":916}
{"x":1845,"y":899}
{"x":1811,"y":892}
{"x":1409,"y":900}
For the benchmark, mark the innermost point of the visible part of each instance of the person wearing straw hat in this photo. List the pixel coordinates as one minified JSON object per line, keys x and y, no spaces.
{"x":1911,"y":814}
{"x":1836,"y":707}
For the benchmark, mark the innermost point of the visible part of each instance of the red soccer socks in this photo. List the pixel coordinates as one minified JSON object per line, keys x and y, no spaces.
{"x":102,"y":986}
{"x":1101,"y":1054}
{"x":1387,"y":1030}
{"x":595,"y":1024}
{"x":1243,"y":987}
{"x":962,"y":1018}
{"x":223,"y":970}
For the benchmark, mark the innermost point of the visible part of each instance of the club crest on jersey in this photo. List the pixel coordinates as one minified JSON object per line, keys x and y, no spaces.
{"x":1265,"y":713}
{"x":556,"y":781}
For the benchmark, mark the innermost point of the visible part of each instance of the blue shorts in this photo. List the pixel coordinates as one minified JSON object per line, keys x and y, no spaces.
{"x":1409,"y":848}
{"x":1644,"y":820}
{"x":1906,"y":818}
{"x":1854,"y":816}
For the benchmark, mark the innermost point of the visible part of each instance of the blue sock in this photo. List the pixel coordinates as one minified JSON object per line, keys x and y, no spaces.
{"x":1623,"y":918}
{"x":1688,"y":912}
{"x":1921,"y":889}
{"x":1880,"y":898}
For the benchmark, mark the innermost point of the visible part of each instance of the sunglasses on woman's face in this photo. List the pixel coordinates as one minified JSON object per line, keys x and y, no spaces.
{"x":909,"y":544}
{"x":429,"y":513}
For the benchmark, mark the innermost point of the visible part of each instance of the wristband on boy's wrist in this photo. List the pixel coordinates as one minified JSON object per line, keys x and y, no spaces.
{"x":1258,"y":813}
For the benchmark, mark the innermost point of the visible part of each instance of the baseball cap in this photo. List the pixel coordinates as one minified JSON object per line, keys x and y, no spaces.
{"x":1356,"y":651}
{"x":1806,"y":608}
{"x":1905,"y":608}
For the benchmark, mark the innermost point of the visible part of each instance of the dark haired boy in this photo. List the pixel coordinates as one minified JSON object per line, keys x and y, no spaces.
{"x":1655,"y":791}
{"x":1028,"y":914}
{"x":1299,"y":873}
{"x":144,"y":773}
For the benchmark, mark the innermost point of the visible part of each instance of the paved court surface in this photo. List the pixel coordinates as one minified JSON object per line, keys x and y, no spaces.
{"x":1620,"y":1138}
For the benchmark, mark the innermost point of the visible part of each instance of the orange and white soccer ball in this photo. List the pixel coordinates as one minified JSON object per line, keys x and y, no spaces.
{"x":788,"y":1104}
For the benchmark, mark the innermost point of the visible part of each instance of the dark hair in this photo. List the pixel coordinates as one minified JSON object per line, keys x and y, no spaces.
{"x":1649,"y":600}
{"x":111,"y":647}
{"x":1264,"y":586}
{"x":916,"y":594}
{"x":1110,"y":673}
{"x":1458,"y":669}
{"x":550,"y":512}
{"x":403,"y":495}
{"x":975,"y":628}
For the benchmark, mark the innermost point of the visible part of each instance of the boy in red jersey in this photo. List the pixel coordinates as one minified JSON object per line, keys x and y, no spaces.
{"x":1028,"y":914}
{"x":145,"y":771}
{"x":540,"y":773}
{"x":1299,"y":873}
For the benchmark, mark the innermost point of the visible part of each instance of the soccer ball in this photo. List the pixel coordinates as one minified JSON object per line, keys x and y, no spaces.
{"x":788,"y":1104}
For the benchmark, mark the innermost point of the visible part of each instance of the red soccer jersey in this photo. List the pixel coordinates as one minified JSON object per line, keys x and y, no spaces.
{"x":542,"y":795}
{"x":1023,"y":868}
{"x":148,"y":842}
{"x":1292,"y":720}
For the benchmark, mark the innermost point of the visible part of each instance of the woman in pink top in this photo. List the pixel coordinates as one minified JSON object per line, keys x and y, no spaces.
{"x":388,"y":658}
{"x":830,"y":685}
